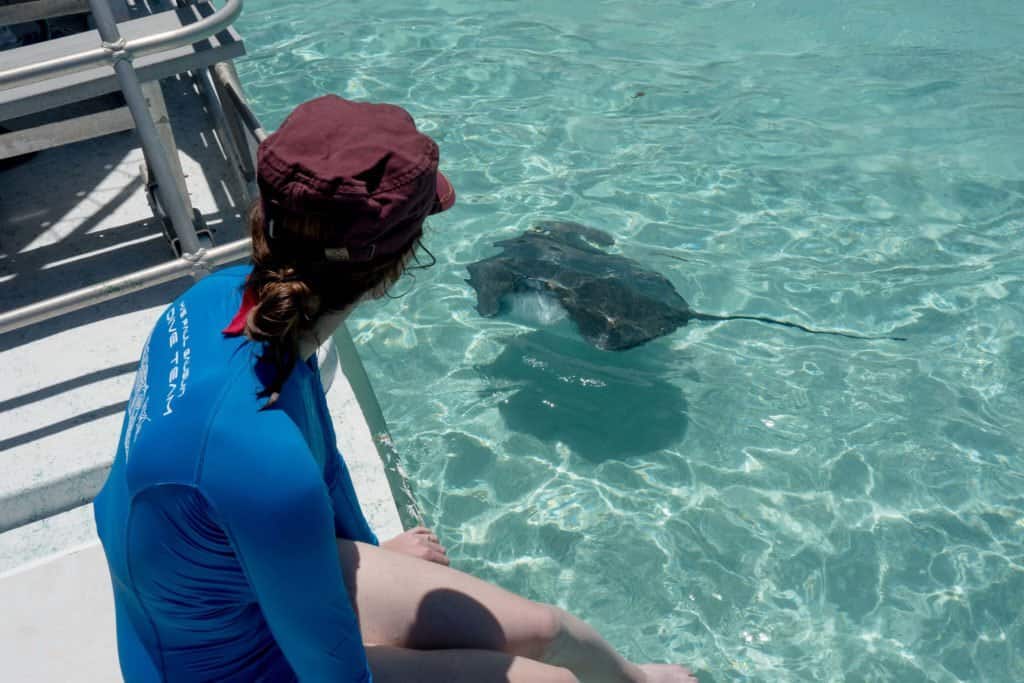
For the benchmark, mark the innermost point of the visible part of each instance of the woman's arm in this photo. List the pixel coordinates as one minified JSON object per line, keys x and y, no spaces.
{"x":349,"y":521}
{"x":280,"y":520}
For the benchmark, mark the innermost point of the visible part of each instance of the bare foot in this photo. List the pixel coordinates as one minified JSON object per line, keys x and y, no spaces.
{"x":667,"y":673}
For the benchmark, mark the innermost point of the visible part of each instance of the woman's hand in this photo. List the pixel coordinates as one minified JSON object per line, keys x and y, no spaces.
{"x":419,"y":542}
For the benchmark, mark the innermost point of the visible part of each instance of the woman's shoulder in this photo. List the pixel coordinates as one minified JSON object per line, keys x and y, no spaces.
{"x":209,"y":301}
{"x":186,"y":359}
{"x":223,"y":282}
{"x":262,"y":445}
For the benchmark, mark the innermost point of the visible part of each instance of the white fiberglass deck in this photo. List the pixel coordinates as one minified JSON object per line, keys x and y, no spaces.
{"x":68,"y":218}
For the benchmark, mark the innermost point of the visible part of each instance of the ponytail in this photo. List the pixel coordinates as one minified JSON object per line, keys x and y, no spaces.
{"x":293,"y":284}
{"x":285,"y":308}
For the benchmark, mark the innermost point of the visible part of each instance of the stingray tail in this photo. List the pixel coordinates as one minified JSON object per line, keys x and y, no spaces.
{"x":772,"y":321}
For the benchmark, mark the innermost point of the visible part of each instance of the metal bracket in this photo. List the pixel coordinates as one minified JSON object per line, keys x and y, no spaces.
{"x":117,"y":49}
{"x":203,"y":233}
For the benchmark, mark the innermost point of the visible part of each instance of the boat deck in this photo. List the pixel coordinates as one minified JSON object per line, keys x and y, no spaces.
{"x":70,"y":217}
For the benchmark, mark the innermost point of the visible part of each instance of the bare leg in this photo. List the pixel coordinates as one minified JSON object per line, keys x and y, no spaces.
{"x":409,"y":603}
{"x":582,"y":650}
{"x":399,"y":665}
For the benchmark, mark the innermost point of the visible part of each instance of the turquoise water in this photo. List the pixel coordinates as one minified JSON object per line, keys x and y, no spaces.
{"x":761,"y":503}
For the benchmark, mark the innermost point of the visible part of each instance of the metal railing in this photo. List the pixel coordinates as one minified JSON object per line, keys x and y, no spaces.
{"x":118,"y":53}
{"x":111,"y":51}
{"x":196,"y":264}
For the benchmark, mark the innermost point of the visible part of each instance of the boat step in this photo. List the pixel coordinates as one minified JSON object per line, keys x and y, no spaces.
{"x":58,"y":620}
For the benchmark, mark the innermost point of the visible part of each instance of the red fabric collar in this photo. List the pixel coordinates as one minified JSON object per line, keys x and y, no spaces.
{"x":237,"y":326}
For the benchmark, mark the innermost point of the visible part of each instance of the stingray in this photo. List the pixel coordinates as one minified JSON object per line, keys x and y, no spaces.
{"x":615,"y":302}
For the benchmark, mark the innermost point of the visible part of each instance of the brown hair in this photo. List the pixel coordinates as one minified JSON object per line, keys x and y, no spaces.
{"x":294,"y":283}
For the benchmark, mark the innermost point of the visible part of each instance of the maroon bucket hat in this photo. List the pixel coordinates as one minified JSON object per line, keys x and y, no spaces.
{"x":362,"y":164}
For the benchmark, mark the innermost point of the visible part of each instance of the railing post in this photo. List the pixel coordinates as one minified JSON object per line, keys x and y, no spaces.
{"x":156,"y":155}
{"x":157,"y":106}
{"x":228,"y":129}
{"x":227,"y":79}
{"x":235,"y":131}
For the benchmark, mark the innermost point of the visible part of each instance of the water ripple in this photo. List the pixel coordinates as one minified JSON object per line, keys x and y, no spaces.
{"x":812,"y":508}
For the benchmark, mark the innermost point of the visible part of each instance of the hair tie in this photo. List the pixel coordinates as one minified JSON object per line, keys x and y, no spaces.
{"x":268,"y":220}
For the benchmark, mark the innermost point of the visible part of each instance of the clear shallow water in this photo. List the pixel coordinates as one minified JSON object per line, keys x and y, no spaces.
{"x":761,"y":503}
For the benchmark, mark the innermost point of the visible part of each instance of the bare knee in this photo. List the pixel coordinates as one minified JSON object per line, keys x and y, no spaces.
{"x":560,"y":675}
{"x":547,"y":628}
{"x":531,"y":671}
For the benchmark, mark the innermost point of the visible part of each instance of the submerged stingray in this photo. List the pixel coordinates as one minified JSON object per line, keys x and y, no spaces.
{"x":614,"y":301}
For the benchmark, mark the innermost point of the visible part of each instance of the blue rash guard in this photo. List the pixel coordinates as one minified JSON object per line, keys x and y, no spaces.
{"x":219,"y":519}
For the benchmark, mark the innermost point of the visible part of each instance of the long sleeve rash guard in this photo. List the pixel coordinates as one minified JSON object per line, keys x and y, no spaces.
{"x":219,"y":519}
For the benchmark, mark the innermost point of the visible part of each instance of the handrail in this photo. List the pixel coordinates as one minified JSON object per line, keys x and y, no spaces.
{"x":195,"y":265}
{"x":229,"y":80}
{"x":137,"y":47}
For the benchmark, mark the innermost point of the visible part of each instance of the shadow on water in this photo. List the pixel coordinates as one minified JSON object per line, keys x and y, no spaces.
{"x":601,"y":404}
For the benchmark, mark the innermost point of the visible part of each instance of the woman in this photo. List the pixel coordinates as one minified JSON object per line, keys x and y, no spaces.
{"x":237,"y":548}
